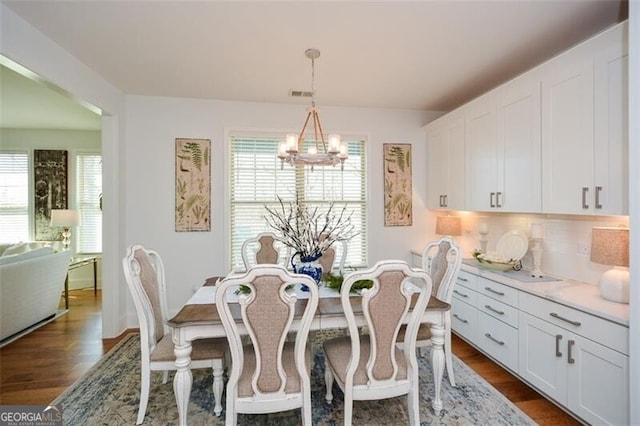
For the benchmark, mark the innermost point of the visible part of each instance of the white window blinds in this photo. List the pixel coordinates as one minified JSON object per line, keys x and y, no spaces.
{"x":89,"y":192}
{"x":14,"y":197}
{"x":257,"y":180}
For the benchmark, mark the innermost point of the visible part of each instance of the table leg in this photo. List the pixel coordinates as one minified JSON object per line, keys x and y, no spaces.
{"x":437,"y":363}
{"x":95,"y":277}
{"x":66,"y":291}
{"x":183,"y":379}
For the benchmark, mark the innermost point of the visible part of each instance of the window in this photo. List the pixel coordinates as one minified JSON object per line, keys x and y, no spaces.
{"x":257,"y":179}
{"x":14,"y":197}
{"x":89,"y":196}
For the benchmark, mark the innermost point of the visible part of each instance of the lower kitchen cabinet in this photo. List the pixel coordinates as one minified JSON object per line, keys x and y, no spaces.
{"x":590,"y":379}
{"x":575,"y":358}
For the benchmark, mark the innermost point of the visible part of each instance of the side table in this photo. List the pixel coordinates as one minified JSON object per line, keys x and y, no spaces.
{"x":78,"y":262}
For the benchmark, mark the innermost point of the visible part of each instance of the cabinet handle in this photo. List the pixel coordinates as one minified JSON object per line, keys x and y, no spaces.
{"x":494,"y":310}
{"x":558,"y":338}
{"x":460,"y":319}
{"x":576,"y":323}
{"x":489,"y":289}
{"x":490,"y":337}
{"x":498,"y":194}
{"x":463,"y":279}
{"x":570,"y":359}
{"x":446,"y":200}
{"x":460,"y":294}
{"x":598,"y":190}
{"x":491,"y":202}
{"x":584,"y":197}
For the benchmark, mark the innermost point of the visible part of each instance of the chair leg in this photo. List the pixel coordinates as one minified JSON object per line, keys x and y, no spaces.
{"x":145,"y":383}
{"x":218,"y":386}
{"x":448,"y":360}
{"x":413,"y":404}
{"x":231,"y":417}
{"x":328,"y":381}
{"x":348,"y":407}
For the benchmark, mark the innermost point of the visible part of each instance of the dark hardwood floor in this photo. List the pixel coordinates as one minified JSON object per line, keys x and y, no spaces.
{"x":36,"y":368}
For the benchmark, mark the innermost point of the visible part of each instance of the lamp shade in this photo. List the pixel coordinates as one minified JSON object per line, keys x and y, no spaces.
{"x":64,"y":218}
{"x":449,"y":225}
{"x":610,"y":246}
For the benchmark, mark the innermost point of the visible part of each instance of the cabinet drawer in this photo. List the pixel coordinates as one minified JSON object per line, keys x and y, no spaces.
{"x":499,"y":310}
{"x":467,"y":279}
{"x":501,"y":292}
{"x":466,"y":295}
{"x":498,"y":340}
{"x":464,"y":320}
{"x":607,"y":333}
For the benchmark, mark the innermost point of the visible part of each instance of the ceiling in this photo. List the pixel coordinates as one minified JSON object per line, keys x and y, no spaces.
{"x":422,"y":55}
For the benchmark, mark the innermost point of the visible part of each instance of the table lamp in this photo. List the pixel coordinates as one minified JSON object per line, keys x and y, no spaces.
{"x":449,"y":225}
{"x":610,"y":246}
{"x":65,"y":219}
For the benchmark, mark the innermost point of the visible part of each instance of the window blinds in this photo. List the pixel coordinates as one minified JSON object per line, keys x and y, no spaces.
{"x":14,"y":193}
{"x":257,"y":180}
{"x":89,"y":191}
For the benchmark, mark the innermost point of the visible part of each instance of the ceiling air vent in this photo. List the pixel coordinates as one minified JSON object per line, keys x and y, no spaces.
{"x":300,"y":93}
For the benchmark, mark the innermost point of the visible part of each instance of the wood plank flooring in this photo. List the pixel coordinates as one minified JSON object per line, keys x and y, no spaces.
{"x":36,"y":368}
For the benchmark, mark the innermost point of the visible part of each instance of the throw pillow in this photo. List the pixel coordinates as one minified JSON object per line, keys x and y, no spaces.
{"x":16,"y":249}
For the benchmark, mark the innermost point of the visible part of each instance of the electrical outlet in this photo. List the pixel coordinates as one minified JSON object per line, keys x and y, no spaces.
{"x":583,"y":249}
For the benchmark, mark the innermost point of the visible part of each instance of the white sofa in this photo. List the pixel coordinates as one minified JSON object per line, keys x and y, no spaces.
{"x":31,"y":282}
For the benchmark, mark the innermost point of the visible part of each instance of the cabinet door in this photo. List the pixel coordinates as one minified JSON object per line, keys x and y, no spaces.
{"x":567,"y":133}
{"x":598,"y":381}
{"x":519,"y":145}
{"x":482,"y":154}
{"x":437,"y":164}
{"x":543,"y":356}
{"x":611,"y":137}
{"x":454,"y":135}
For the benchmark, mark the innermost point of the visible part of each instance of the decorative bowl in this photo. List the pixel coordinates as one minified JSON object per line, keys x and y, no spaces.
{"x":496,"y":266}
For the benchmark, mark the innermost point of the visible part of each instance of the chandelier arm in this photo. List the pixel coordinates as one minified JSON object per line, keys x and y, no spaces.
{"x":324,"y":143}
{"x":304,"y":127}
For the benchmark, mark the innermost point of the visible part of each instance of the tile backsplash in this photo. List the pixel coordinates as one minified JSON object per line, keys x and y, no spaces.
{"x":566,"y":243}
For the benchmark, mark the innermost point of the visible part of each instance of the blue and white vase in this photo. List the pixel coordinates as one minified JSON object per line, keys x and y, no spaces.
{"x":308,"y":266}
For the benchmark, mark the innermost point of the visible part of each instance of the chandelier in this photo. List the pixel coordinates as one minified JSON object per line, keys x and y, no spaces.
{"x":323,"y":152}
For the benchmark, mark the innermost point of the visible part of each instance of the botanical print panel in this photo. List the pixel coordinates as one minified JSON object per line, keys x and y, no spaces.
{"x":398,"y":204}
{"x":50,"y":183}
{"x":193,"y":185}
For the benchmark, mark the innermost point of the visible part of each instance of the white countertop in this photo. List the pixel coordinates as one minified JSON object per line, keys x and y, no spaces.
{"x":578,"y":295}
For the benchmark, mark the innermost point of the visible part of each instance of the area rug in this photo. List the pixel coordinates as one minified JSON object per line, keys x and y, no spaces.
{"x":109,"y":395}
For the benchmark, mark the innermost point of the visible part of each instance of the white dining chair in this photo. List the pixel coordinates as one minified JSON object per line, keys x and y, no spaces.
{"x":144,"y":273}
{"x":442,"y":260}
{"x":264,"y":248}
{"x":372,"y":366}
{"x":268,"y":374}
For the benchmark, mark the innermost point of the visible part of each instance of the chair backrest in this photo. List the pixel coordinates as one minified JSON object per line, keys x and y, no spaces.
{"x":267,"y":314}
{"x":442,"y":260}
{"x":386,"y":307}
{"x":144,"y":273}
{"x":264,"y":248}
{"x":330,"y":259}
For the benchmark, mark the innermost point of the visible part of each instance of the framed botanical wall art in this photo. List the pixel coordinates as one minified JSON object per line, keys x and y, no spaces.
{"x":50,"y":191}
{"x":193,"y":185}
{"x":398,"y":204}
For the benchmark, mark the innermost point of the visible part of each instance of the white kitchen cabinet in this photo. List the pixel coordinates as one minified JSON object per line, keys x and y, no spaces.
{"x":445,"y":163}
{"x":590,"y":379}
{"x":503,"y":146}
{"x":583,"y":114}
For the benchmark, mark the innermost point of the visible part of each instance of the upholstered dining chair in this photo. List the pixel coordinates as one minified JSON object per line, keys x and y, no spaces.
{"x":264,"y":248}
{"x":371,"y":366}
{"x":268,"y":374}
{"x":442,"y":260}
{"x":332,"y":260}
{"x":144,"y":273}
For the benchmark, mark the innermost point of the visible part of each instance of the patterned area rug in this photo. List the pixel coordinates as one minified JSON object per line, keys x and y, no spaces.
{"x":109,"y":394}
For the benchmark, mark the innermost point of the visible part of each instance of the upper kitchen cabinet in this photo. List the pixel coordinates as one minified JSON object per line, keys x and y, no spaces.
{"x":445,"y":163}
{"x":503,"y":146}
{"x":584,"y":128}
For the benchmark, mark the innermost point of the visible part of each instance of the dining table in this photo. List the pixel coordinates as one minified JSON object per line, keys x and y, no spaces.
{"x":199,"y":319}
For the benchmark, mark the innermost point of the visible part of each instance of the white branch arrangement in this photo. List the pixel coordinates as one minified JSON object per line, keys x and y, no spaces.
{"x":310,"y":231}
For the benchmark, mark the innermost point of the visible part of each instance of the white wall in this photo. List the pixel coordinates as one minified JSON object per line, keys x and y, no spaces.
{"x":190,"y":257}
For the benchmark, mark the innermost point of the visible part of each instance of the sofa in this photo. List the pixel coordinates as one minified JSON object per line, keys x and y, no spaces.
{"x":31,"y":282}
